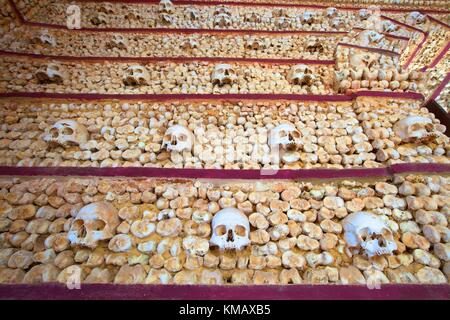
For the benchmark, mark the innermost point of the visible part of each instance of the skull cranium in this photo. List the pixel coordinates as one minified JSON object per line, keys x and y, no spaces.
{"x":223,"y":74}
{"x":67,"y":133}
{"x":222,"y":20}
{"x":415,"y":129}
{"x":301,"y":75}
{"x":331,"y":12}
{"x":366,"y":231}
{"x":165,"y":6}
{"x":118,"y":41}
{"x":94,"y":222}
{"x":285,"y":136}
{"x":178,"y":138}
{"x":415,"y":18}
{"x":230,"y":229}
{"x":308,"y":17}
{"x":136,"y":76}
{"x":51,"y":73}
{"x":99,"y":18}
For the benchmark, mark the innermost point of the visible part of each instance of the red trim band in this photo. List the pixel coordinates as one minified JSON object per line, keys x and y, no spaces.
{"x":51,"y":291}
{"x":379,"y":50}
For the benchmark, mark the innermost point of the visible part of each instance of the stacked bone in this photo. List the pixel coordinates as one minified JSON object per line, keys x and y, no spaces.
{"x":230,"y":136}
{"x":147,"y":231}
{"x":358,"y":69}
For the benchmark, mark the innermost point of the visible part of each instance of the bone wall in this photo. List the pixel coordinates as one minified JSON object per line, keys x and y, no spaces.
{"x":161,"y":231}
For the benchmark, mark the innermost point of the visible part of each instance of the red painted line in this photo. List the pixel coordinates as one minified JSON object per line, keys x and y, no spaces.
{"x":438,"y":57}
{"x":387,"y":35}
{"x":419,"y":168}
{"x":258,"y":4}
{"x":402,"y":24}
{"x":438,"y":89}
{"x":217,"y":97}
{"x":416,"y":51}
{"x":438,"y":21}
{"x":383,"y":51}
{"x":163,"y":59}
{"x":51,"y":291}
{"x":195,"y":173}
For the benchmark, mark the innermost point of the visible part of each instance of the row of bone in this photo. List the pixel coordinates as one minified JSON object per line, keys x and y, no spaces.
{"x":432,"y":47}
{"x":217,"y":16}
{"x":164,"y":45}
{"x":313,"y":136}
{"x":193,"y":77}
{"x":363,"y":69}
{"x":316,"y":137}
{"x":373,"y":39}
{"x":437,"y":74}
{"x":366,"y":233}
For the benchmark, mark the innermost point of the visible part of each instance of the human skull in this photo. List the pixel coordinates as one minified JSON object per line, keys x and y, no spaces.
{"x":192,"y":14}
{"x":94,"y":222}
{"x":136,"y":76}
{"x":285,"y":136}
{"x":252,"y":17}
{"x":337,"y":23}
{"x":178,"y":138}
{"x":364,"y":14}
{"x":99,"y":18}
{"x":67,"y":133}
{"x":222,"y":10}
{"x":52,"y":73}
{"x":223,"y":74}
{"x":230,"y":229}
{"x":165,"y":18}
{"x":415,"y":18}
{"x":254,"y":43}
{"x":331,"y":12}
{"x":301,"y":74}
{"x":190,"y":44}
{"x":107,"y":8}
{"x":389,"y":27}
{"x":118,"y":41}
{"x":307,"y":17}
{"x":222,"y":20}
{"x":415,"y":129}
{"x":45,"y":38}
{"x":314,"y":45}
{"x":165,"y":6}
{"x":366,"y":231}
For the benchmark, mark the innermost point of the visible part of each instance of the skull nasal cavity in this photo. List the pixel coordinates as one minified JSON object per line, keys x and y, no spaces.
{"x":230,"y":236}
{"x":78,"y":225}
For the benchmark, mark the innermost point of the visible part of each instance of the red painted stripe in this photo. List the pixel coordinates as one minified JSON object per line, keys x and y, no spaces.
{"x":217,"y":97}
{"x":163,"y":59}
{"x":416,"y":51}
{"x":438,"y":57}
{"x":225,"y":174}
{"x":383,"y":51}
{"x":402,"y":24}
{"x":438,"y":21}
{"x":439,"y":89}
{"x":51,"y":291}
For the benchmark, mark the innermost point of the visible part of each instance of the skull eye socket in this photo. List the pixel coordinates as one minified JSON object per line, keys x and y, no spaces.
{"x":78,"y":226}
{"x":240,"y":231}
{"x":295,"y":134}
{"x":67,"y":131}
{"x":98,"y":225}
{"x":220,"y":230}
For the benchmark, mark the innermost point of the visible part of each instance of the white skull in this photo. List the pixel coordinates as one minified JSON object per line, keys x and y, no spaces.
{"x":165,"y":18}
{"x":223,"y":74}
{"x":307,"y":17}
{"x":389,"y":27}
{"x":331,"y":12}
{"x":254,"y":43}
{"x":67,"y":133}
{"x":51,"y":73}
{"x":178,"y":138}
{"x":415,"y":18}
{"x":192,"y":14}
{"x":414,"y":129}
{"x":367,"y":37}
{"x":118,"y":41}
{"x":45,"y":38}
{"x":222,"y":10}
{"x":314,"y":45}
{"x":94,"y":222}
{"x":136,"y":76}
{"x":301,"y":74}
{"x":99,"y":18}
{"x":230,"y":229}
{"x":337,"y":23}
{"x":222,"y":20}
{"x":366,"y":231}
{"x":190,"y":44}
{"x":283,"y":22}
{"x":364,"y":14}
{"x":252,"y":17}
{"x":165,"y":6}
{"x":285,"y":136}
{"x":107,"y":8}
